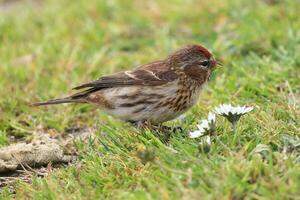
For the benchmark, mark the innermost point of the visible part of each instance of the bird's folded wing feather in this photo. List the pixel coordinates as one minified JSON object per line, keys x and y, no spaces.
{"x":152,"y":74}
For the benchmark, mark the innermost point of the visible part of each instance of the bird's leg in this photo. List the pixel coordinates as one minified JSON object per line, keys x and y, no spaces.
{"x":165,"y":132}
{"x":142,"y":125}
{"x":170,"y":129}
{"x":161,"y":131}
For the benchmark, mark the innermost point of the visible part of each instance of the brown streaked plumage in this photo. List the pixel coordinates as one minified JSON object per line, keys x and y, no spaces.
{"x":155,"y":92}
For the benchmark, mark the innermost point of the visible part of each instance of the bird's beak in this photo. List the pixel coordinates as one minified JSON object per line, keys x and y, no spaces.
{"x":217,"y":64}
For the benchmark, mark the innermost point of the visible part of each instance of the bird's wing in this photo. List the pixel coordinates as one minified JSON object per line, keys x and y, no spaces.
{"x":148,"y":75}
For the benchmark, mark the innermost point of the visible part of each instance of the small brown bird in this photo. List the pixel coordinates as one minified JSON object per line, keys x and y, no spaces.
{"x":156,"y":92}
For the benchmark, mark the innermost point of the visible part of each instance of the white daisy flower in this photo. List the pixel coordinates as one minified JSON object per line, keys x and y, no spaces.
{"x":227,"y":109}
{"x":206,"y":126}
{"x":232,"y":114}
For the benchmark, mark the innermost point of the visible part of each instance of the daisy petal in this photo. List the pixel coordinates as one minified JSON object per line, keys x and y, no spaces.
{"x":248,"y":109}
{"x":208,"y":140}
{"x":211,"y":117}
{"x":195,"y":134}
{"x":204,"y":124}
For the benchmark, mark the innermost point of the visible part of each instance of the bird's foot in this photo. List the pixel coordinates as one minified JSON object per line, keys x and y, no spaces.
{"x":165,"y":132}
{"x":161,"y":131}
{"x":142,"y":125}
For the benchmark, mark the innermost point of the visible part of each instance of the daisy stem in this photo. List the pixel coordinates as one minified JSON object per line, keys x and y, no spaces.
{"x":233,"y":126}
{"x":235,"y":136}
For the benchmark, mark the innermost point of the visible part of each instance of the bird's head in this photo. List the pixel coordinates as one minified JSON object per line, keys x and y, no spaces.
{"x":194,"y":60}
{"x":194,"y":55}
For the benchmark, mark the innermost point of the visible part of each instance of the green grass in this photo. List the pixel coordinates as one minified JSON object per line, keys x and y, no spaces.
{"x":70,"y":42}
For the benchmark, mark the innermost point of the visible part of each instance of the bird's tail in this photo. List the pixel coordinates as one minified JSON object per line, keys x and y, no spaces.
{"x":79,"y":97}
{"x":59,"y":101}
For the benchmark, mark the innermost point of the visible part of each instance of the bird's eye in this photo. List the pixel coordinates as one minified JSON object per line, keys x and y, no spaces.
{"x":205,"y":63}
